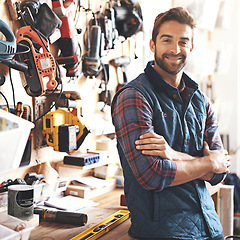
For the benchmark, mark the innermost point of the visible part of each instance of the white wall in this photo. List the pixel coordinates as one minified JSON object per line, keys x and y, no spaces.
{"x":223,"y":39}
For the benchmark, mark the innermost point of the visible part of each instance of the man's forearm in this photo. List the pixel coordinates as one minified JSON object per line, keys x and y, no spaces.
{"x":186,"y":157}
{"x":188,"y":167}
{"x":191,"y":169}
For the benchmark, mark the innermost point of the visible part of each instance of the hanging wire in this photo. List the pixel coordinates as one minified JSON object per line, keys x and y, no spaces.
{"x":5,"y":100}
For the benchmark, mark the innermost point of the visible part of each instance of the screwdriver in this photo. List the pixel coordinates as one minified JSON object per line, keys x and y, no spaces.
{"x":19,"y":109}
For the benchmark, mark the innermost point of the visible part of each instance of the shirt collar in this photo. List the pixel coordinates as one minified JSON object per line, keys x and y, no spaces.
{"x":159,"y":82}
{"x":182,"y":86}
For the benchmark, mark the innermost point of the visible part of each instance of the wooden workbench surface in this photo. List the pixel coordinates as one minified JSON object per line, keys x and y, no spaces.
{"x":108,"y":204}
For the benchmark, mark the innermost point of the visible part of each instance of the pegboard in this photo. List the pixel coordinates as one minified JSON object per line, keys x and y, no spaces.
{"x":40,"y":106}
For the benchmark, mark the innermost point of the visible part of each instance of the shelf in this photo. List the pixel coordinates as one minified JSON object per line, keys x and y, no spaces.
{"x":91,"y":166}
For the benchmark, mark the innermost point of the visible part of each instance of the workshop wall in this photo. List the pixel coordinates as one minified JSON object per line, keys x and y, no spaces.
{"x":96,"y":115}
{"x":213,"y":42}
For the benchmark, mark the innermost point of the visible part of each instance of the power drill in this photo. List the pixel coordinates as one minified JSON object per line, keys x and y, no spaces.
{"x":68,"y":43}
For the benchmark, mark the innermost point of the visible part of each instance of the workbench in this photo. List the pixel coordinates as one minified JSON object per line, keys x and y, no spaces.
{"x":109,"y":203}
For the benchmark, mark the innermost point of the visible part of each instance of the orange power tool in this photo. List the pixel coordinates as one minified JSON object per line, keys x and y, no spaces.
{"x":40,"y":65}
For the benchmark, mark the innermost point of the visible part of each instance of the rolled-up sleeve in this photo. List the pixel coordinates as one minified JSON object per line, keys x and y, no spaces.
{"x":212,"y":137}
{"x":132,"y":117}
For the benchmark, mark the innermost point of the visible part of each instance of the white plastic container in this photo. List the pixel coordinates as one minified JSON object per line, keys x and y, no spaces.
{"x":8,"y":234}
{"x":12,"y":228}
{"x":14,"y":133}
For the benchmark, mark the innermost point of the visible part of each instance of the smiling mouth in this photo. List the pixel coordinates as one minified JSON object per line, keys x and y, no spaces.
{"x":174,"y":58}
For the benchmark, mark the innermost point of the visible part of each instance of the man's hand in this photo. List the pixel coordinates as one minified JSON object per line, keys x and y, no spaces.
{"x":219,"y":159}
{"x":214,"y":161}
{"x":155,"y":145}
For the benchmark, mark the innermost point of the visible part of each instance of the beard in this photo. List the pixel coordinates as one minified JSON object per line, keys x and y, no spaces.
{"x":172,"y":68}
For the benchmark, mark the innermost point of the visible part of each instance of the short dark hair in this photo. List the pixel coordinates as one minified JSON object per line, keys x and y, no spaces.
{"x":174,"y":14}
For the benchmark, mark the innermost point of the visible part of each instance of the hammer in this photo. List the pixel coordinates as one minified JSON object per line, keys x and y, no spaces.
{"x":121,"y":62}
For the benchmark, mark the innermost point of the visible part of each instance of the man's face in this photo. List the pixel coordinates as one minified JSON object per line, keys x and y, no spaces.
{"x":173,"y":45}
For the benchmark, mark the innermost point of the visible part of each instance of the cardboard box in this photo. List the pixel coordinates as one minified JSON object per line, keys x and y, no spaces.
{"x":106,"y":172}
{"x":87,"y":192}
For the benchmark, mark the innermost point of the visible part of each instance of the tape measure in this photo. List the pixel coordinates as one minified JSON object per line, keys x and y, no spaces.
{"x":104,"y":226}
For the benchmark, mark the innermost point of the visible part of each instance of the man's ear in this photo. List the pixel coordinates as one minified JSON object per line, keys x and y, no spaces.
{"x":152,"y":45}
{"x":192,"y":47}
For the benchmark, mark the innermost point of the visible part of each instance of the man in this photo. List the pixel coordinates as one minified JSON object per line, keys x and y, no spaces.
{"x":165,"y":128}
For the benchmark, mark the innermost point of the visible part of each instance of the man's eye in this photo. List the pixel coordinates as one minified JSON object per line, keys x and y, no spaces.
{"x":183,"y":43}
{"x":166,"y":40}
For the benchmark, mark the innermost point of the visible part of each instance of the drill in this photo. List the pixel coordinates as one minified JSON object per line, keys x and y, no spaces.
{"x":68,"y":43}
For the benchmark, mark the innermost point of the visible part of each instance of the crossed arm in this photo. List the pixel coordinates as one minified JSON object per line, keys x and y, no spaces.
{"x":188,"y":167}
{"x":157,"y":166}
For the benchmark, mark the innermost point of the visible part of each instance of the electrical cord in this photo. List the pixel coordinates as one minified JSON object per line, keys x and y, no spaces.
{"x":5,"y":100}
{"x":13,"y":92}
{"x":51,"y":107}
{"x":16,"y":53}
{"x":106,"y":89}
{"x":27,"y":49}
{"x":77,"y":12}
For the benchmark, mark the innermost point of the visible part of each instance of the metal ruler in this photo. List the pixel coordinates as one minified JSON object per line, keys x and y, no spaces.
{"x":104,"y":226}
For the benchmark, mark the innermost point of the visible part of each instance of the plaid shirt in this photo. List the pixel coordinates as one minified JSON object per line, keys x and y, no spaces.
{"x":132,"y":117}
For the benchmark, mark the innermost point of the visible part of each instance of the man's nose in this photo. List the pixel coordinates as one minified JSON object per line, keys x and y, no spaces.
{"x":175,"y":49}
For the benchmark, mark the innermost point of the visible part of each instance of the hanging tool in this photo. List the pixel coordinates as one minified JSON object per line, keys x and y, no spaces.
{"x":64,"y":128}
{"x":40,"y":62}
{"x":106,"y":21}
{"x":43,"y":18}
{"x":121,"y":62}
{"x":106,"y":94}
{"x":26,"y":158}
{"x":92,"y":65}
{"x":40,"y":65}
{"x":31,"y":62}
{"x":110,"y":15}
{"x":128,"y":15}
{"x":68,"y":43}
{"x":8,"y":48}
{"x":19,"y":109}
